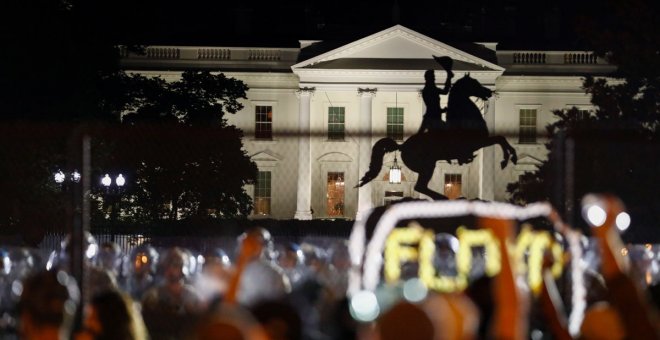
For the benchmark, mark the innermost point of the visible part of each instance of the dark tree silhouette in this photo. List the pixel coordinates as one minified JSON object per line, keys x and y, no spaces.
{"x":616,"y":146}
{"x":188,"y":161}
{"x":60,"y":72}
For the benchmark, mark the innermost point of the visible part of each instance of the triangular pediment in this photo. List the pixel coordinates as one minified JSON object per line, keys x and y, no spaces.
{"x":527,"y":163}
{"x":399,"y":48}
{"x":265,"y":156}
{"x":528,"y":159}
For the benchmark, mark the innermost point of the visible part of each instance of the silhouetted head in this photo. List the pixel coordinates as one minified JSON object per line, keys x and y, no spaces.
{"x":175,"y":265}
{"x":405,"y":321}
{"x":280,"y":320}
{"x":60,"y":259}
{"x":143,"y":260}
{"x":291,"y":256}
{"x":48,"y":301}
{"x":216,"y":256}
{"x":429,"y":76}
{"x":110,"y":257}
{"x":112,"y":315}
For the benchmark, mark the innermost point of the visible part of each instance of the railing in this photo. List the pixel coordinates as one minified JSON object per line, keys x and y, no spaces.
{"x":580,"y":58}
{"x":529,"y":58}
{"x":214,"y":53}
{"x":163,"y":53}
{"x":264,"y":55}
{"x":211,"y":53}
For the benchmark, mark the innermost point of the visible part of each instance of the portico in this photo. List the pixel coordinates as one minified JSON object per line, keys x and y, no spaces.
{"x":366,"y":78}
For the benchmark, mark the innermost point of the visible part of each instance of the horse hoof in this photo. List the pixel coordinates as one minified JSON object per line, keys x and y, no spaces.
{"x":514,"y":159}
{"x":504,"y":163}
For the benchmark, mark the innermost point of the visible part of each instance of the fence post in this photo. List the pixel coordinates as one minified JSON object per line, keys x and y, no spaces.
{"x":79,"y":151}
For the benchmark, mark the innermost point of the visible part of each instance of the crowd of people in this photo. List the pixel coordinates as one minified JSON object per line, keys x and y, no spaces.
{"x":176,"y":293}
{"x":270,"y":290}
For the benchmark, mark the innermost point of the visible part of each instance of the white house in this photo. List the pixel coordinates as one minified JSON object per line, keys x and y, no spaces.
{"x":313,"y":113}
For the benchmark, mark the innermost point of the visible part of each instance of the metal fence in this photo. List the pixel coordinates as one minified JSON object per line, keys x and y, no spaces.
{"x":50,"y":147}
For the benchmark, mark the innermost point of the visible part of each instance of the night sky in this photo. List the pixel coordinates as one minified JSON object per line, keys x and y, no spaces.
{"x":518,"y":23}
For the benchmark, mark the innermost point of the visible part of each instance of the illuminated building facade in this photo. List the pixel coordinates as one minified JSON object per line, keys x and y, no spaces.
{"x":314,"y":112}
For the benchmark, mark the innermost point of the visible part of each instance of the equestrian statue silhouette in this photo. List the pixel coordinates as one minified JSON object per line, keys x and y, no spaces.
{"x":463,"y":133}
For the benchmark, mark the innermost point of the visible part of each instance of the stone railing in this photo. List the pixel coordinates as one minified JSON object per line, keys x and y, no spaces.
{"x":214,"y":53}
{"x":534,"y":59}
{"x":264,"y":54}
{"x":163,"y":53}
{"x":580,"y":58}
{"x":529,"y":57}
{"x":210,"y":53}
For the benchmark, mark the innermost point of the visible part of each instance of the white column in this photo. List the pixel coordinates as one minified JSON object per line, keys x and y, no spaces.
{"x":488,"y":164}
{"x":364,"y":158}
{"x":304,"y":197}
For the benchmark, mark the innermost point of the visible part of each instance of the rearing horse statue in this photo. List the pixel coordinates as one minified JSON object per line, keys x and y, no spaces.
{"x":464,"y":133}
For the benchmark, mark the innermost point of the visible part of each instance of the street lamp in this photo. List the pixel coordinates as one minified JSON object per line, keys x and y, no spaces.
{"x":395,"y":172}
{"x":60,"y":176}
{"x":120,"y":181}
{"x":106,"y":181}
{"x":75,"y":176}
{"x":113,"y":195}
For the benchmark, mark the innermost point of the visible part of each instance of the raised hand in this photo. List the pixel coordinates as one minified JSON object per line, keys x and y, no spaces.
{"x":446,"y":63}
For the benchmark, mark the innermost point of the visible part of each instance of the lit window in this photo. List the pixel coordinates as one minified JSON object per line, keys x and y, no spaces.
{"x":395,"y":123}
{"x":583,"y":114}
{"x":264,"y":122}
{"x":527,"y":132}
{"x":262,"y":193}
{"x":335,"y":196}
{"x":336,"y":123}
{"x":453,"y":186}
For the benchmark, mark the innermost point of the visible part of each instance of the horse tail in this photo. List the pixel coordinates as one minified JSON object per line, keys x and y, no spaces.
{"x":382,"y":146}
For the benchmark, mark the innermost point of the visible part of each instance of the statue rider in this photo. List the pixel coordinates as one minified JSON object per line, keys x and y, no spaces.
{"x":432,"y":119}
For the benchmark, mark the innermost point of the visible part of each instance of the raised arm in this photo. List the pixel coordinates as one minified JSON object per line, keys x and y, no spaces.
{"x":551,"y":304}
{"x":251,"y":248}
{"x":447,"y":64}
{"x":507,"y":322}
{"x":638,"y":316}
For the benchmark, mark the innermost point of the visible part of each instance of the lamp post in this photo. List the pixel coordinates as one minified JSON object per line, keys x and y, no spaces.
{"x":60,"y":177}
{"x":113,"y":192}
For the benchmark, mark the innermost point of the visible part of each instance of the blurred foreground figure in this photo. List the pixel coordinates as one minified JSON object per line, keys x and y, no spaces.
{"x":172,"y":304}
{"x":47,"y":306}
{"x":335,"y":274}
{"x":228,"y":322}
{"x":212,"y":283}
{"x":257,"y":278}
{"x":292,"y":261}
{"x":110,"y":259}
{"x":405,"y":321}
{"x":142,"y":271}
{"x":279,"y":320}
{"x":601,"y":321}
{"x":639,"y":319}
{"x":99,"y":279}
{"x":112,"y":315}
